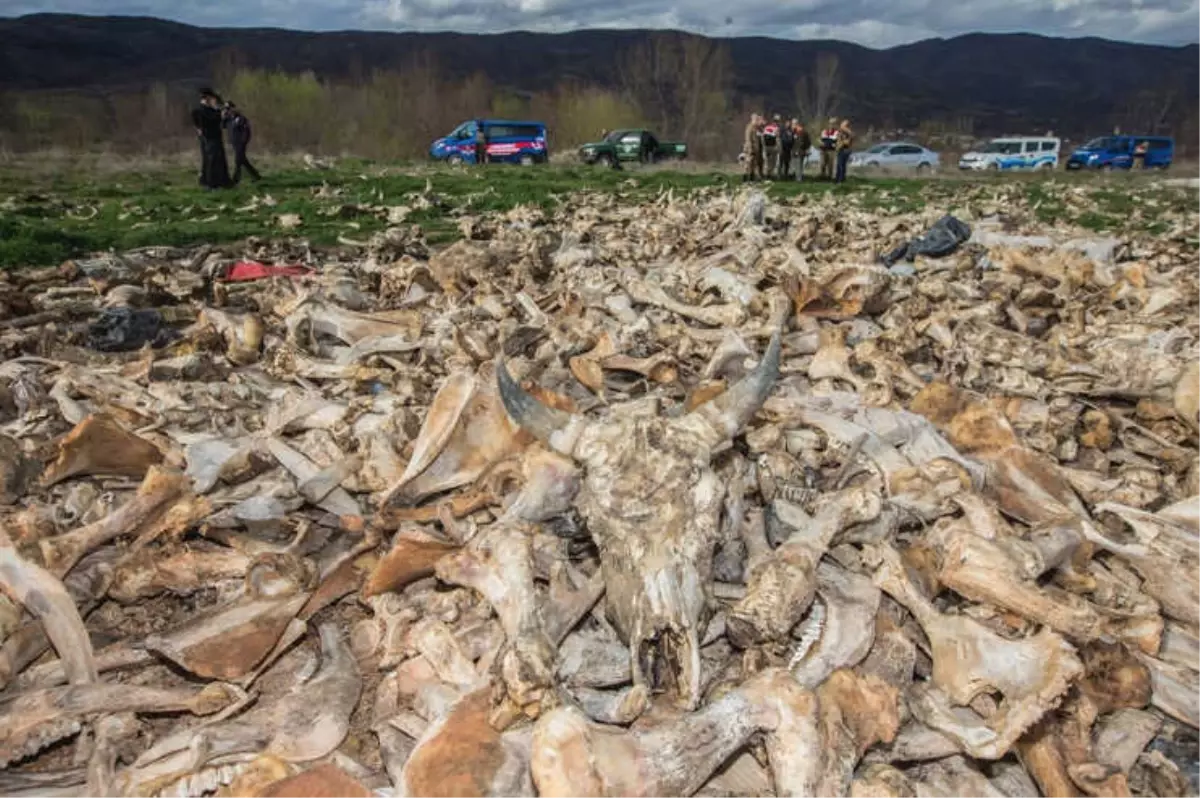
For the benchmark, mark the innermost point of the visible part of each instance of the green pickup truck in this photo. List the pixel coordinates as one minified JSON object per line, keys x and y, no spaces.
{"x":631,"y":145}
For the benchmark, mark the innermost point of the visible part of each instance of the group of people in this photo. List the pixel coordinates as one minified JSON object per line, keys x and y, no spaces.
{"x":770,"y":147}
{"x":212,"y":117}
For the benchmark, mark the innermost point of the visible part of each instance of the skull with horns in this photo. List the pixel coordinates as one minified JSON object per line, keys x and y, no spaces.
{"x":652,"y":503}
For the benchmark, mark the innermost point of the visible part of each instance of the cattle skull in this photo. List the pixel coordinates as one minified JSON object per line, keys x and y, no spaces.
{"x":652,"y":503}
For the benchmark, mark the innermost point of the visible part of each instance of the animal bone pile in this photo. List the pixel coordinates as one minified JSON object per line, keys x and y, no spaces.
{"x":685,"y":497}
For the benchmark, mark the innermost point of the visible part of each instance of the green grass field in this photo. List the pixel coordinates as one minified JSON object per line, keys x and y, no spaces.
{"x":49,"y":213}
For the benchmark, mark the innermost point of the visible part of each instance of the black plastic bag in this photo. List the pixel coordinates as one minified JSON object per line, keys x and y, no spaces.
{"x":124,"y":330}
{"x":946,"y":235}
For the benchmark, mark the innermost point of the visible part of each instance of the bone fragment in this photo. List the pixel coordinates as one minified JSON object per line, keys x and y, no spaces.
{"x":98,"y":445}
{"x":158,"y":490}
{"x":781,"y":589}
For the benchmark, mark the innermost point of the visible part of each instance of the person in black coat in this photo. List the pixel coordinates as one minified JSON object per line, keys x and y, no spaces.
{"x":214,"y":169}
{"x":239,"y":137}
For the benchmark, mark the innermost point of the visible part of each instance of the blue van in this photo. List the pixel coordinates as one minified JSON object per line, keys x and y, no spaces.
{"x":1116,"y":152}
{"x":508,"y":141}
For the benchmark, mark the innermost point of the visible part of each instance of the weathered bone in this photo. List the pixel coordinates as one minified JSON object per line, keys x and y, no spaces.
{"x":158,"y":490}
{"x":228,"y":641}
{"x":574,"y":756}
{"x":969,"y":659}
{"x":1174,"y":689}
{"x":98,"y":445}
{"x":850,"y":602}
{"x":1122,"y":736}
{"x":347,"y":326}
{"x":982,"y":571}
{"x":500,"y":568}
{"x":781,"y":589}
{"x":856,"y":712}
{"x":713,"y":315}
{"x":461,"y":754}
{"x":313,"y":719}
{"x":32,"y":721}
{"x":615,"y":707}
{"x":640,"y":468}
{"x":46,"y":598}
{"x":148,"y":572}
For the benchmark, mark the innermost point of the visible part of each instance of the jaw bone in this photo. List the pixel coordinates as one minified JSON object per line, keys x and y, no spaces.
{"x":780,"y":590}
{"x":574,"y":756}
{"x":850,"y":604}
{"x":501,"y":568}
{"x":652,"y":503}
{"x":969,"y":660}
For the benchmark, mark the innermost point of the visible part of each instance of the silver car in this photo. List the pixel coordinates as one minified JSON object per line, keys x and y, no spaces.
{"x":896,"y":155}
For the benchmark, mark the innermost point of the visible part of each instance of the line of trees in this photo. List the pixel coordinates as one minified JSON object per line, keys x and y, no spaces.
{"x":681,"y":86}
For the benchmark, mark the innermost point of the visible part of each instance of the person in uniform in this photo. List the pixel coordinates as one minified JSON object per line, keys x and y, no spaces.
{"x":214,"y":169}
{"x":239,"y":137}
{"x":844,"y":146}
{"x":787,"y":141}
{"x":828,"y":149}
{"x":802,"y":146}
{"x":770,"y":139}
{"x":480,"y":143}
{"x":752,"y":149}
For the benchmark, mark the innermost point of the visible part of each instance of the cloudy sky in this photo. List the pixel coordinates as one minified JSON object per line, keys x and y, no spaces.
{"x":875,"y":23}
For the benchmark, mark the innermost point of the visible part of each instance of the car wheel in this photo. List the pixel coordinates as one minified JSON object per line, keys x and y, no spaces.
{"x":527,"y":160}
{"x":607,"y":160}
{"x":454,"y":159}
{"x":924,"y":167}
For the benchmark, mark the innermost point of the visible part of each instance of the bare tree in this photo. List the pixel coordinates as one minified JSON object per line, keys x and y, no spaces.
{"x":680,"y":81}
{"x":819,"y":93}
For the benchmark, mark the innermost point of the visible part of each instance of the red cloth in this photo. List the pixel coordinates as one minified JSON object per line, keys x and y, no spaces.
{"x":245,"y":270}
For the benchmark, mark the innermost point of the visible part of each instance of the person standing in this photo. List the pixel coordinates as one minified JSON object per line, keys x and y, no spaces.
{"x":770,"y":139}
{"x":214,"y":169}
{"x":828,"y":147}
{"x":845,"y":144}
{"x":480,"y":143}
{"x":802,"y":146}
{"x":787,"y":141}
{"x":239,"y":137}
{"x":752,"y":149}
{"x":1139,"y":155}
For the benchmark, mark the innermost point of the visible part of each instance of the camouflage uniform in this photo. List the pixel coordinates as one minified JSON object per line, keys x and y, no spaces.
{"x":752,"y":150}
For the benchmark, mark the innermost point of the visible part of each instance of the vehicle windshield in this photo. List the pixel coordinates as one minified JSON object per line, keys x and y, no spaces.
{"x":878,"y":148}
{"x":616,"y":135}
{"x":1104,"y":143}
{"x":1005,"y":147}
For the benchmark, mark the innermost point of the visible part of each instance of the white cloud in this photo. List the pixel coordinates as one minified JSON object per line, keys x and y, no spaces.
{"x":875,"y":23}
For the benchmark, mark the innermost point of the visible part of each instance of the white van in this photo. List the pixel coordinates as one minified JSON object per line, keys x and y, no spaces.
{"x":1014,"y":153}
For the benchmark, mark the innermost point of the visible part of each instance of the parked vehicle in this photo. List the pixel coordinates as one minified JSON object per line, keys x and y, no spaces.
{"x":508,"y":141}
{"x":1018,"y":152}
{"x":896,"y":155}
{"x":631,"y":145}
{"x":1116,"y":152}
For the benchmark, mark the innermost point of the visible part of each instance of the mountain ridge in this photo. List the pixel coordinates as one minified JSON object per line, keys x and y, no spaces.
{"x":1003,"y":82}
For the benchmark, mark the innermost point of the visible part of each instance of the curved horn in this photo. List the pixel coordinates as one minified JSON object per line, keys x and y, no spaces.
{"x":732,"y":410}
{"x":530,"y":414}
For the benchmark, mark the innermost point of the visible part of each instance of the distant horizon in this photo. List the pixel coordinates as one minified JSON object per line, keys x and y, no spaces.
{"x":878,"y":26}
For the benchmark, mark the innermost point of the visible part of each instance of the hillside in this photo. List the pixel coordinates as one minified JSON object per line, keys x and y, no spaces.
{"x":1002,"y":83}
